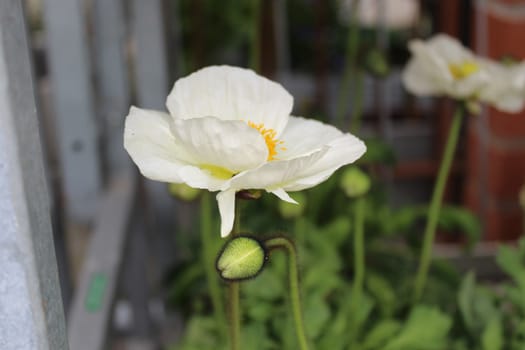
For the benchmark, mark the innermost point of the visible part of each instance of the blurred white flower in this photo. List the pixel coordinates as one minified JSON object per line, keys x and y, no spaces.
{"x":442,"y":66}
{"x":398,"y":14}
{"x":230,"y":130}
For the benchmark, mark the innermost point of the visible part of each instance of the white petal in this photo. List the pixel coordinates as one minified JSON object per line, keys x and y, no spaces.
{"x":231,"y":93}
{"x":284,"y":196}
{"x":226,"y":201}
{"x":231,"y":146}
{"x":305,"y":136}
{"x":152,"y":146}
{"x":343,"y":151}
{"x":449,"y":48}
{"x":304,"y":171}
{"x":149,"y":142}
{"x":418,"y":82}
{"x":506,"y":90}
{"x":275,"y":174}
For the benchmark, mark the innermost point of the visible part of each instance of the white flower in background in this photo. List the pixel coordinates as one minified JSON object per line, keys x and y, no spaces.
{"x":442,"y":66}
{"x":230,"y":130}
{"x":398,"y":14}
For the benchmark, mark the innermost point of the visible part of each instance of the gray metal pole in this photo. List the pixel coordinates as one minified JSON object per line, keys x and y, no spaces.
{"x":74,"y":106}
{"x":31,"y":314}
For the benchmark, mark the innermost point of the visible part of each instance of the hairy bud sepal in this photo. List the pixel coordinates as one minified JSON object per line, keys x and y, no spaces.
{"x":242,"y":257}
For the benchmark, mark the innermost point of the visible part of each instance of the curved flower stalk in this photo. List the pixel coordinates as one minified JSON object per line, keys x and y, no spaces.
{"x":442,"y":66}
{"x":228,"y":130}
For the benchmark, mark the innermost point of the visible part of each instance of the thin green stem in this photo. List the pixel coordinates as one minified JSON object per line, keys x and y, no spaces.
{"x":207,"y":237}
{"x":234,"y":292}
{"x":359,"y":263}
{"x":435,"y":204}
{"x":357,"y":101}
{"x":352,"y":45}
{"x":293,"y":274}
{"x":235,"y":317}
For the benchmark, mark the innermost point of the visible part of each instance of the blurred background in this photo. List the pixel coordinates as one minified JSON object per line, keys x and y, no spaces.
{"x":121,"y":240}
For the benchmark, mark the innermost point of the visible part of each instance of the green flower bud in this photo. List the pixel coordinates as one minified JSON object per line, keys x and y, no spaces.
{"x":376,"y":63}
{"x":355,"y":182}
{"x":242,"y":258}
{"x":183,"y":191}
{"x":292,"y":210}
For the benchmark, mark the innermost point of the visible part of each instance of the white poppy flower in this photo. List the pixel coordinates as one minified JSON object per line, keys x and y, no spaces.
{"x":230,"y":130}
{"x":442,"y":66}
{"x":399,"y":14}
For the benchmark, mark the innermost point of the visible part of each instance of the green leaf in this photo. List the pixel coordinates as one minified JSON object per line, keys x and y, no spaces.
{"x":266,"y":286}
{"x":426,"y":329}
{"x":316,"y":315}
{"x":201,"y":333}
{"x":492,"y":337}
{"x":381,"y":289}
{"x":510,"y":260}
{"x":381,"y":333}
{"x":465,"y":299}
{"x":477,"y":305}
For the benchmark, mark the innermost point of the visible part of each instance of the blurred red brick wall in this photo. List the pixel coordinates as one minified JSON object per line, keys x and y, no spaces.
{"x":495,"y":160}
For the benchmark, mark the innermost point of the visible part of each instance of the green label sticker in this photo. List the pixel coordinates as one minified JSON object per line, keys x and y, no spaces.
{"x":96,"y":291}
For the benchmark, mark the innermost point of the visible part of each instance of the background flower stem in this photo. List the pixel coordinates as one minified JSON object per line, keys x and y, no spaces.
{"x":359,"y":264}
{"x":435,"y":204}
{"x":350,"y":67}
{"x":209,"y":253}
{"x":295,"y":297}
{"x":357,"y":100}
{"x":234,"y":291}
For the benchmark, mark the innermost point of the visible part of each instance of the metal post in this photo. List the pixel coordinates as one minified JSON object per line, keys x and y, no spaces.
{"x":31,"y":314}
{"x":112,"y":79}
{"x":74,"y":105}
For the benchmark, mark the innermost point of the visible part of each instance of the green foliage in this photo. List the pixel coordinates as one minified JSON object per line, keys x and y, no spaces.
{"x":456,"y":312}
{"x":426,"y":329}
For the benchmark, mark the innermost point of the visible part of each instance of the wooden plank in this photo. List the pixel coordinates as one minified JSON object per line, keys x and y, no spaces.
{"x":112,"y":79}
{"x":31,"y":313}
{"x":73,"y":98}
{"x":90,"y":314}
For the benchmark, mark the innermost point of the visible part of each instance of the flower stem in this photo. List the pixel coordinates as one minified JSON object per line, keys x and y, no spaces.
{"x":357,"y":101}
{"x":209,"y":261}
{"x":293,"y":274}
{"x":350,"y":64}
{"x":435,"y":204}
{"x":234,"y":292}
{"x":235,"y":318}
{"x":359,"y":262}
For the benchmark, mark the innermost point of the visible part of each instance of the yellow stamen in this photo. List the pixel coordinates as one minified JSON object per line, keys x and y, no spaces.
{"x":463,"y":70}
{"x":272,"y":142}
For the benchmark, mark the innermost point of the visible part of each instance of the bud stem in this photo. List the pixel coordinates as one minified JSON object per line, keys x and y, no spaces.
{"x":359,"y":263}
{"x":293,"y":274}
{"x":234,"y":292}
